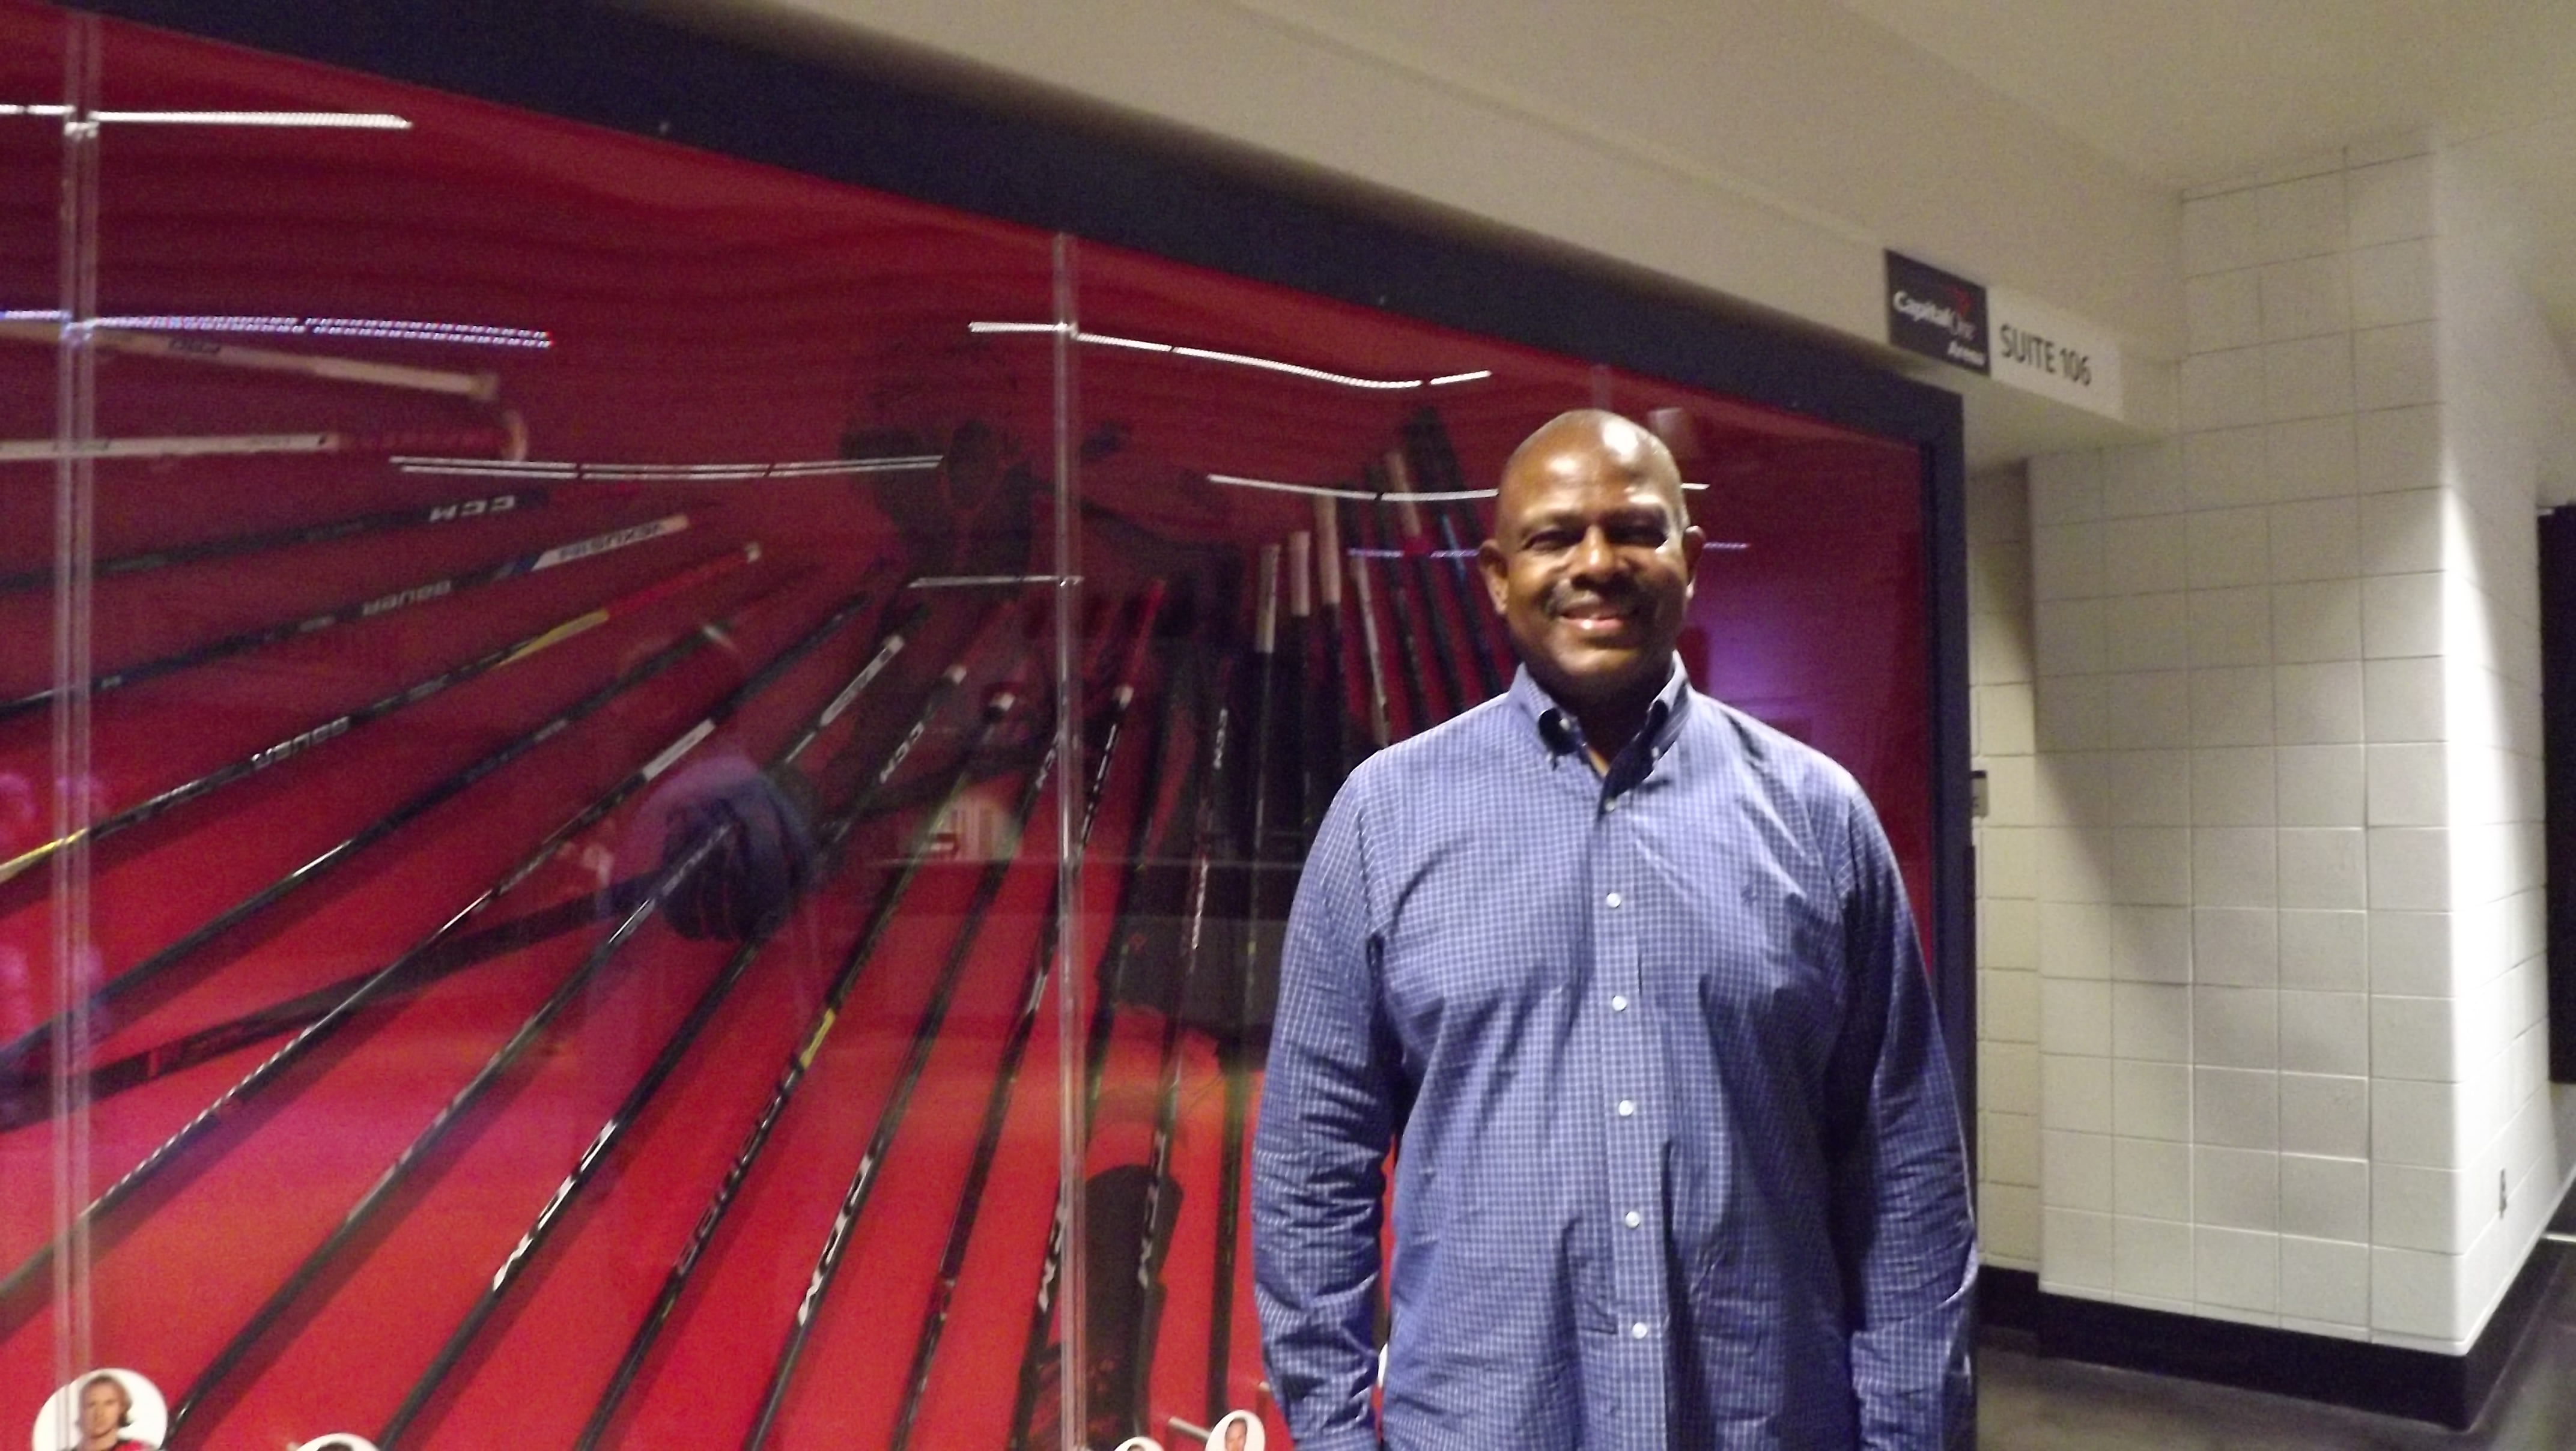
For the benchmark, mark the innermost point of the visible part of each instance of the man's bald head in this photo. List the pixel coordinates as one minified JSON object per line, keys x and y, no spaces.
{"x":1590,"y":566}
{"x":1586,"y":438}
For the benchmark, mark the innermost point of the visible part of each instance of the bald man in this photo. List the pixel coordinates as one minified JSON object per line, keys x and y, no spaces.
{"x":1633,"y":978}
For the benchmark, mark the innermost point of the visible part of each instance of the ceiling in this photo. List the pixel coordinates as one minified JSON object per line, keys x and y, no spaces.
{"x":2195,"y":92}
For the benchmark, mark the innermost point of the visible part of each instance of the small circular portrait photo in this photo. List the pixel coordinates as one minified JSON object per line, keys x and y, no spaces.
{"x":104,"y":1410}
{"x":338,"y":1441}
{"x":1239,"y":1431}
{"x":1140,"y":1443}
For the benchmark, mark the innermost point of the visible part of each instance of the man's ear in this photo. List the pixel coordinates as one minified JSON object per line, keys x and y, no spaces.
{"x":1497,"y":571}
{"x":1694,"y":544}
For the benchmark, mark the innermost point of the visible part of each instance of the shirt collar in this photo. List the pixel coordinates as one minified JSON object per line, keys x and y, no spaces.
{"x":1558,"y":732}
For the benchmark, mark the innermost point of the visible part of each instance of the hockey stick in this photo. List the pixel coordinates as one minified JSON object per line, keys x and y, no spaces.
{"x":1167,"y":1103}
{"x":889,"y":898}
{"x":475,"y":387}
{"x":489,"y":506}
{"x":1406,"y":623}
{"x":1417,"y":546}
{"x":1231,"y":1047}
{"x":1373,"y":656}
{"x":988,"y":1141}
{"x":1427,"y":441}
{"x":1126,"y":947}
{"x":1412,"y":619}
{"x":202,"y":445}
{"x":366,"y":609}
{"x":832,"y":841}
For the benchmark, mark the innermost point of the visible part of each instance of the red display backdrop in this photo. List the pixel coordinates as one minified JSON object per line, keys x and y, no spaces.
{"x":569,"y":945}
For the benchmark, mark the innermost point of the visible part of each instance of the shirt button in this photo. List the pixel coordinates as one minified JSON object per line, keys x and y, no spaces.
{"x":1618,"y":1002}
{"x":1635,"y":1219}
{"x":1612,"y":899}
{"x":1627,"y":1106}
{"x":1610,"y":805}
{"x":1638,"y":1330}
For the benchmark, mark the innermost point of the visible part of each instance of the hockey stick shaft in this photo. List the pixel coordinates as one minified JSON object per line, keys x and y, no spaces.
{"x":369,"y":608}
{"x":212,"y":445}
{"x":1420,"y":618}
{"x":1373,"y":654}
{"x":383,"y":521}
{"x":1167,"y":1102}
{"x":1231,"y":1047}
{"x":1417,"y":544}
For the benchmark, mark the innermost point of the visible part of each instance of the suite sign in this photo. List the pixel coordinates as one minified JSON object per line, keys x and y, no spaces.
{"x":1931,"y":312}
{"x":2054,"y":354}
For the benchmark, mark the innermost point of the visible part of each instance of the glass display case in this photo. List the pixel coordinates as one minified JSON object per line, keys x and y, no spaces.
{"x":646,"y":800}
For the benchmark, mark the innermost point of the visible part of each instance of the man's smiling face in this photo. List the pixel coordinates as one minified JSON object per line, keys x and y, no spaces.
{"x":1591,"y":561}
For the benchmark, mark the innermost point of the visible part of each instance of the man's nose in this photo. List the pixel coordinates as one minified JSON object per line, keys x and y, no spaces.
{"x":1593,"y":555}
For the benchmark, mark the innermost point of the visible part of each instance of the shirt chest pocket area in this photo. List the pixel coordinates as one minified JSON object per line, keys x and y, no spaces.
{"x":1762,"y":957}
{"x":1479,"y":956}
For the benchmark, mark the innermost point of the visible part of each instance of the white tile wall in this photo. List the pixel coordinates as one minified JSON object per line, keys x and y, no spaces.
{"x":2282,"y":836}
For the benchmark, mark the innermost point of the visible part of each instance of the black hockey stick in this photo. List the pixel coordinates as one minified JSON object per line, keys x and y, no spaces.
{"x":17,"y":1056}
{"x":831,"y":842}
{"x":1125,"y":947}
{"x":245,"y":641}
{"x":381,"y":522}
{"x":1373,"y":655}
{"x":375,"y":710}
{"x":1232,"y":1049}
{"x":318,"y":1262}
{"x":1418,"y":545}
{"x":1426,"y":438}
{"x":1151,"y":1227}
{"x":1409,"y":623}
{"x":889,"y":899}
{"x":997,"y":1106}
{"x":1417,"y":609}
{"x":890,"y":1117}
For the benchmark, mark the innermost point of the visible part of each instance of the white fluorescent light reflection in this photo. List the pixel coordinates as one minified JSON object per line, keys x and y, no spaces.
{"x":325,"y":120}
{"x":662,"y":473}
{"x":1240,"y":360}
{"x":35,"y":110}
{"x":471,"y":334}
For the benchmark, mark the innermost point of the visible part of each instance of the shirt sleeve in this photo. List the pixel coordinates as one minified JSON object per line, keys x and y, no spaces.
{"x":1328,"y":1109}
{"x":1903,"y":1229}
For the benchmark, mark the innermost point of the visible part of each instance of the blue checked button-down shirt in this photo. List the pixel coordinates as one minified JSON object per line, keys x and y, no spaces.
{"x":1681,"y":1164}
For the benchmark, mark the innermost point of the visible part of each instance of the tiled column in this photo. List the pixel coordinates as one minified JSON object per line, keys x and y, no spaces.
{"x":1999,"y":693}
{"x":2292,"y":1053}
{"x":2239,"y":677}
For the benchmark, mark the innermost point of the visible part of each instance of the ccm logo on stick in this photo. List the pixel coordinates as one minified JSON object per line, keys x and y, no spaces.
{"x":472,"y":508}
